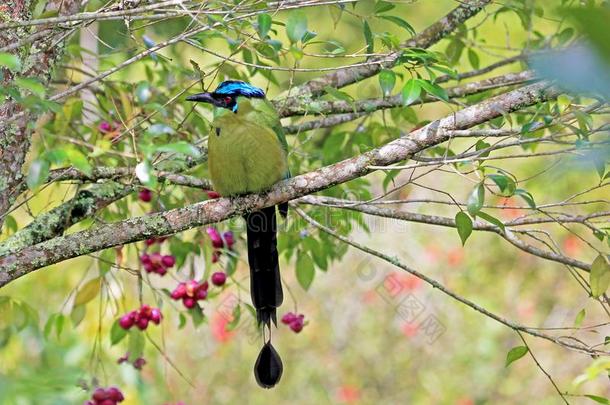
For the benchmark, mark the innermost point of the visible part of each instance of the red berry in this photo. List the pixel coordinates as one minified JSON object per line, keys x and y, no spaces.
{"x":107,"y":402}
{"x":139,"y":363}
{"x":189,"y":302}
{"x":179,"y":291}
{"x":168,"y":260}
{"x":115,"y":394}
{"x":145,"y":195}
{"x":213,"y":194}
{"x":201,"y":294}
{"x":89,"y":403}
{"x":145,"y":259}
{"x":229,"y":238}
{"x":145,"y":311}
{"x":155,"y":316}
{"x":148,"y":267}
{"x":297,"y":324}
{"x":215,"y":237}
{"x":219,"y":278}
{"x":205,"y":285}
{"x":289,"y":318}
{"x":156,"y":258}
{"x":150,"y":242}
{"x":161,"y":271}
{"x":100,"y":394}
{"x":105,"y":126}
{"x":126,"y":322}
{"x":142,"y":323}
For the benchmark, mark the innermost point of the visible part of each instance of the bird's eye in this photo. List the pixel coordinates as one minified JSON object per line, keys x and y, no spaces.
{"x":228,"y":100}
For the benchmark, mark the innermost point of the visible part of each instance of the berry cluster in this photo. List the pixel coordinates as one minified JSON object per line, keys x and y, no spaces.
{"x":191,"y":292}
{"x":219,"y":242}
{"x":157,"y":263}
{"x":294,"y":321}
{"x":141,"y":318}
{"x":145,"y":195}
{"x":106,"y":396}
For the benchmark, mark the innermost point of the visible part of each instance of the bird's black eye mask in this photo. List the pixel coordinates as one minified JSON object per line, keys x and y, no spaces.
{"x":225,"y":101}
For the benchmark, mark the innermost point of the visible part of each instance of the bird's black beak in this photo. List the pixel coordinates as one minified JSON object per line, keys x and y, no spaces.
{"x":201,"y":97}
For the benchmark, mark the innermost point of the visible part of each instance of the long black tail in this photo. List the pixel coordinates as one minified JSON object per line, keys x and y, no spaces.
{"x":265,"y":287}
{"x":265,"y":283}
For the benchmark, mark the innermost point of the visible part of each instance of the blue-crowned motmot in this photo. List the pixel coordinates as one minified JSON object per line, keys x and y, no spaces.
{"x":247,"y":154}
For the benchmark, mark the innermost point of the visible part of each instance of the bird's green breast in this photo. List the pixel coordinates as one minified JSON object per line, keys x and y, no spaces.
{"x":246,"y":156}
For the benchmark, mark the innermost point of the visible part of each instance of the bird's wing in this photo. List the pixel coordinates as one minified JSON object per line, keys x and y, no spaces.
{"x":269,"y":115}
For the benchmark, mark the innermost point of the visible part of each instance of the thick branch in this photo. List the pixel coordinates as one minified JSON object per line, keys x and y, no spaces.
{"x":176,"y":220}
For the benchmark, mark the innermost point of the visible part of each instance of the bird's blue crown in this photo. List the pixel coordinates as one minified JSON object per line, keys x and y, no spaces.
{"x":239,"y":88}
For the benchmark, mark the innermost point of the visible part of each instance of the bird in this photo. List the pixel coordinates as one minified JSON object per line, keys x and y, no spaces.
{"x":247,"y":153}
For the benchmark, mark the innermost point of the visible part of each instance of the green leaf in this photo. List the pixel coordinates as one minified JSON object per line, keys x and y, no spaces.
{"x":38,"y":173}
{"x":383,"y":6}
{"x":480,"y":145}
{"x":598,"y":399}
{"x":491,"y":219}
{"x":387,"y":80}
{"x":88,"y":292}
{"x":410,"y":92}
{"x":59,"y":324}
{"x":136,"y":344}
{"x":11,"y":223}
{"x":505,"y":183}
{"x":296,"y":26}
{"x":79,"y":161}
{"x":599,"y":278}
{"x":116,"y":333}
{"x":338,"y":94}
{"x":264,"y":25}
{"x":527,"y":197}
{"x":78,"y":314}
{"x":182,"y":147}
{"x":476,"y":200}
{"x":31,"y":84}
{"x":305,"y":270}
{"x":464,"y":226}
{"x":10,"y":61}
{"x":515,"y":354}
{"x":579,"y":318}
{"x":433,"y":89}
{"x":400,"y":22}
{"x":473,"y":58}
{"x":368,"y":36}
{"x":196,"y":315}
